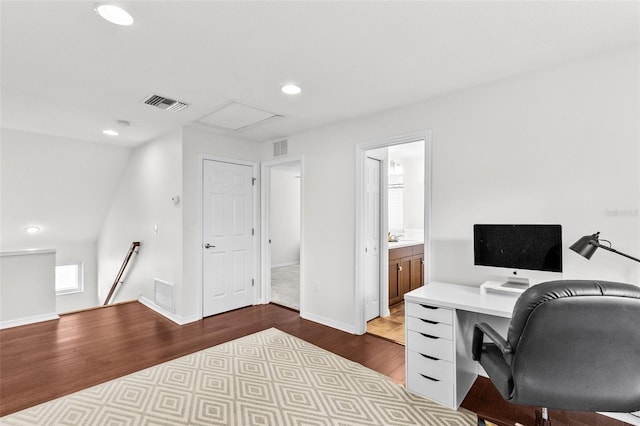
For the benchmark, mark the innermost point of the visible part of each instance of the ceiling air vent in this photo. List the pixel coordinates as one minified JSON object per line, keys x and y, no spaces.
{"x":165,"y":103}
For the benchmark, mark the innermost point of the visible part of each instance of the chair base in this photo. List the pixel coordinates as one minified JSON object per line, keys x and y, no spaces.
{"x":541,"y":419}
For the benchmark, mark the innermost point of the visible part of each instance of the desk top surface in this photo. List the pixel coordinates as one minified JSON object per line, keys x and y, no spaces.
{"x":463,"y":297}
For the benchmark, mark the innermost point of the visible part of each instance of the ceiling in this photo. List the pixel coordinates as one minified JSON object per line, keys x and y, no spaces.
{"x":69,"y":73}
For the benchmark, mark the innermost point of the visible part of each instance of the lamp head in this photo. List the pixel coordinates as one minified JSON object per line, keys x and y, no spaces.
{"x":586,"y":245}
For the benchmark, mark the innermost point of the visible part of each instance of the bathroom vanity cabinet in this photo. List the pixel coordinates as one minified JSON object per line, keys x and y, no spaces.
{"x":406,"y":271}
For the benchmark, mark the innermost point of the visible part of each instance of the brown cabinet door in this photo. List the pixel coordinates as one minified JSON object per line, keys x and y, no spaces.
{"x":406,"y":271}
{"x":417,"y":271}
{"x":393,"y":281}
{"x":404,"y":277}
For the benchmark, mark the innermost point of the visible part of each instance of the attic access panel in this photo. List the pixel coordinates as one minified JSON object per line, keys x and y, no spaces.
{"x":237,"y":116}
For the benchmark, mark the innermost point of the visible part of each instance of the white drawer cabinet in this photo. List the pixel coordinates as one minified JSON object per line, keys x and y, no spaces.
{"x":430,"y":352}
{"x":439,"y":322}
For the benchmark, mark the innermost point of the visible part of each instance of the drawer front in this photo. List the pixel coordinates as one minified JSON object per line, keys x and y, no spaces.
{"x":437,"y":390}
{"x":431,"y":313}
{"x":434,"y":368}
{"x":398,"y":253}
{"x":432,"y":328}
{"x":436,"y":347}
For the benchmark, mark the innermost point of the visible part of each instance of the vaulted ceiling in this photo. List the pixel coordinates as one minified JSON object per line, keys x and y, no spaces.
{"x":67,"y":72}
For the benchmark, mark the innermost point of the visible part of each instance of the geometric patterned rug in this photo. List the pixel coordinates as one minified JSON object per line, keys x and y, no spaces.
{"x":267,"y":378}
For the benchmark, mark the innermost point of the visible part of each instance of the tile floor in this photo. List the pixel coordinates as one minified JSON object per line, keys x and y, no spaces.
{"x":391,"y":327}
{"x":285,"y":286}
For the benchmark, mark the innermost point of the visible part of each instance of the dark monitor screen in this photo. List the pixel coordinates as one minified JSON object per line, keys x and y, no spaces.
{"x":533,"y":247}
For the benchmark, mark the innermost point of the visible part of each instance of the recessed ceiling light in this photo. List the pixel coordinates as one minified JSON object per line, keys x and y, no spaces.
{"x":291,"y":89}
{"x":114,"y":14}
{"x":32,"y":229}
{"x":110,"y":132}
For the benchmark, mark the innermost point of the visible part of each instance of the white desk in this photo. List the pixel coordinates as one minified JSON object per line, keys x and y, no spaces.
{"x":439,"y":320}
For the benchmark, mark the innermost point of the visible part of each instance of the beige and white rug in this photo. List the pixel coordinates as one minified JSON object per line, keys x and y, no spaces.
{"x":267,"y":378}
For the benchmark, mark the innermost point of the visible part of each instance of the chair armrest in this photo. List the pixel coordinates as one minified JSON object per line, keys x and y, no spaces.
{"x":483,"y":329}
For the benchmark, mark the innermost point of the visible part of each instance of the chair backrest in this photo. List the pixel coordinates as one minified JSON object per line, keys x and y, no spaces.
{"x":577,"y":346}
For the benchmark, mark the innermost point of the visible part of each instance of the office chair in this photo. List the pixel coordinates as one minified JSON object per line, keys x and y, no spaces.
{"x":571,"y":345}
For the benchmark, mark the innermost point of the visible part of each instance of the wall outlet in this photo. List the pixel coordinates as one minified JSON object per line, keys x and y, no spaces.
{"x":316,"y":285}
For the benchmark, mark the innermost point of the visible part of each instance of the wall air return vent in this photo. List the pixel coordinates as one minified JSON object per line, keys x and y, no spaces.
{"x":280,"y":148}
{"x":165,"y":103}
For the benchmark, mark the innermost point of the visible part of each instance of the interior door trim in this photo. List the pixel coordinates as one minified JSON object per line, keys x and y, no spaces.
{"x":199,"y":242}
{"x":360,"y":154}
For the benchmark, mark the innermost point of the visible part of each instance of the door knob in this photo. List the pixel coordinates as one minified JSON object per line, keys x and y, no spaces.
{"x":208,"y":246}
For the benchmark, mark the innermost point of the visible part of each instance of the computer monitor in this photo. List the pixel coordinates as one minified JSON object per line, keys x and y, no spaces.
{"x":528,"y":250}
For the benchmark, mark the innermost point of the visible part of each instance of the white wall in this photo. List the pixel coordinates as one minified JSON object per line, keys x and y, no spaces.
{"x":152,"y":177}
{"x":512,"y":151}
{"x":27,"y":287}
{"x":85,"y":253}
{"x":285,"y":215}
{"x":195,"y":143}
{"x":63,"y":186}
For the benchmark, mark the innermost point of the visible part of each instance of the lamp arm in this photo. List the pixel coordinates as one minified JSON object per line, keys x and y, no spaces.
{"x":614,"y":251}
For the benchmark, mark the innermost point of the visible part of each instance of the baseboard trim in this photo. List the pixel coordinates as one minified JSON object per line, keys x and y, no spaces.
{"x":178,"y":319}
{"x":28,"y":320}
{"x":329,"y":322}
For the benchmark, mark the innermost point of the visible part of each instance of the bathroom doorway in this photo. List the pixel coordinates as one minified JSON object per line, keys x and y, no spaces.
{"x":404,"y":231}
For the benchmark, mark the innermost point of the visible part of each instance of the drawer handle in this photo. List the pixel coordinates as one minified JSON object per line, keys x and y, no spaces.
{"x":429,"y":307}
{"x":433,"y":358}
{"x":430,"y":378}
{"x":430,"y":336}
{"x":430,"y":322}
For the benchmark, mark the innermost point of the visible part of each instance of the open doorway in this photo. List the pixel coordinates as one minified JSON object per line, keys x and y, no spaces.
{"x":403,"y":207}
{"x":405,"y":235}
{"x":282,"y":194}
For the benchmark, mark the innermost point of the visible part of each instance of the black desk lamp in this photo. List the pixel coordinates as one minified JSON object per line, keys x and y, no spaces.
{"x":588,"y":244}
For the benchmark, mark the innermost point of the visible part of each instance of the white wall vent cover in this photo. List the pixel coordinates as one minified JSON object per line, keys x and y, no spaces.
{"x":280,"y":148}
{"x":165,"y":103}
{"x":164,"y":295}
{"x":237,"y":116}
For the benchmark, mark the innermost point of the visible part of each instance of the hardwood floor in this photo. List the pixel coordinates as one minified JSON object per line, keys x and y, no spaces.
{"x":391,"y":327}
{"x":44,"y":361}
{"x":47,"y":360}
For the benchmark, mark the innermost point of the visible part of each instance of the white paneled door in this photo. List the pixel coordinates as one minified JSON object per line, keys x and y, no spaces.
{"x":372,"y":239}
{"x":227,"y":240}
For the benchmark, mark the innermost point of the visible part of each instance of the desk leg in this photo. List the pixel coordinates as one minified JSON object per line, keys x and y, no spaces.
{"x":466,"y":367}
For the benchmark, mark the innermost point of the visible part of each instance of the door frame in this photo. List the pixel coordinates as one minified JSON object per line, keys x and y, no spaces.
{"x":200,"y":224}
{"x":360,"y":155}
{"x":265,"y":252}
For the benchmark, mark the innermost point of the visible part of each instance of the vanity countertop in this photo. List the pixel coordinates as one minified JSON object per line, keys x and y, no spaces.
{"x":404,"y":243}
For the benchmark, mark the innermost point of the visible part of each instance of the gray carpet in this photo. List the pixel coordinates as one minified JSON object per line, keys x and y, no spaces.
{"x":285,"y":286}
{"x":267,"y":378}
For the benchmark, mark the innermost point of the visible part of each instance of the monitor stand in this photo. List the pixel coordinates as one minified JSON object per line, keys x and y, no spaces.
{"x":513,"y":285}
